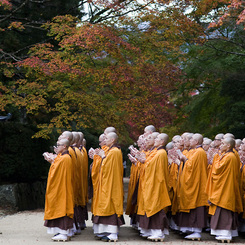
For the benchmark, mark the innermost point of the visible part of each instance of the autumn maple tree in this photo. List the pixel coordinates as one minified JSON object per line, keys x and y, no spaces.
{"x":118,"y":64}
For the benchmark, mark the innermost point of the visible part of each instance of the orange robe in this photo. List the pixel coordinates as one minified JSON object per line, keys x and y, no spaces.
{"x":73,"y":167}
{"x":84,"y":184}
{"x":108,"y":196}
{"x":223,"y":184}
{"x":59,"y":191}
{"x":243,"y":188}
{"x":134,"y":174}
{"x":172,"y":183}
{"x":95,"y":171}
{"x":193,"y":181}
{"x":140,"y":200}
{"x":79,"y":193}
{"x":155,"y":184}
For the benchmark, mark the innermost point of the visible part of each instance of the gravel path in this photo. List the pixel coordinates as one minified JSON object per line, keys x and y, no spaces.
{"x":26,"y":228}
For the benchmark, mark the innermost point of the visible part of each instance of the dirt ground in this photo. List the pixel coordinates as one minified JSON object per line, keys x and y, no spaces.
{"x":26,"y":228}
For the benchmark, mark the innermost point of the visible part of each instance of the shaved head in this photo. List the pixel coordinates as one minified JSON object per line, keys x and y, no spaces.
{"x":176,"y":138}
{"x":198,"y":137}
{"x":169,"y":146}
{"x":64,"y":142}
{"x":102,"y":140}
{"x":76,"y":137}
{"x":229,"y":135}
{"x":149,"y":129}
{"x":230,"y":141}
{"x":207,"y":141}
{"x":155,"y":134}
{"x":112,"y":135}
{"x":111,"y":139}
{"x":109,"y":130}
{"x":67,"y":135}
{"x":219,"y":136}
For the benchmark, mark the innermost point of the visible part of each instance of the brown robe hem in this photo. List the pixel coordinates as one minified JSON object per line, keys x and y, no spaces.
{"x":156,"y":221}
{"x":64,"y":223}
{"x":196,"y":218}
{"x":109,"y":220}
{"x":224,"y":219}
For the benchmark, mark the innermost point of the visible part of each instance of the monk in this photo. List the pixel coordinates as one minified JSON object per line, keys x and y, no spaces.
{"x":242,"y":157}
{"x":69,"y":136}
{"x":191,"y":197}
{"x":224,"y":193}
{"x":153,"y":222}
{"x":59,"y":206}
{"x":80,"y":215}
{"x":95,"y":167}
{"x":173,"y":180}
{"x":206,"y":144}
{"x":84,"y":184}
{"x":108,"y":198}
{"x":134,"y":176}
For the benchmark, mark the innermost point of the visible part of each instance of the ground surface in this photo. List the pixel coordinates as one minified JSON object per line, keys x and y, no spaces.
{"x":26,"y":228}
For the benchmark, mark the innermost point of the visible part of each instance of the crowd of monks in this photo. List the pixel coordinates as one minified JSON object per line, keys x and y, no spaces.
{"x":189,"y":185}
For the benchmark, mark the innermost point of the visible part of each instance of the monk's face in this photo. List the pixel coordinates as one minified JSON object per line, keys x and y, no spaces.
{"x":217,"y":142}
{"x":109,"y":141}
{"x":193,"y":142}
{"x":150,"y":141}
{"x":205,"y":146}
{"x":179,"y":144}
{"x":60,"y":147}
{"x":158,"y":141}
{"x":242,"y":147}
{"x":224,"y":146}
{"x":186,"y":142}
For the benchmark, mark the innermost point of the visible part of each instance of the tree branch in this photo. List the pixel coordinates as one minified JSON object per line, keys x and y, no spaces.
{"x":11,"y":14}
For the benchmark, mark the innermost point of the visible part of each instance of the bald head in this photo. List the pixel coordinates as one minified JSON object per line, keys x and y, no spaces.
{"x":176,"y":138}
{"x":196,"y":140}
{"x":238,"y":143}
{"x":109,"y":130}
{"x":155,"y":134}
{"x":206,"y":144}
{"x":62,"y":145}
{"x":161,"y":140}
{"x":169,"y":146}
{"x":66,"y":135}
{"x":149,"y":129}
{"x":186,"y":137}
{"x":64,"y":142}
{"x":76,"y":137}
{"x":84,"y":142}
{"x":229,"y":135}
{"x":102,"y":140}
{"x":219,"y":136}
{"x":227,"y":144}
{"x":111,"y":139}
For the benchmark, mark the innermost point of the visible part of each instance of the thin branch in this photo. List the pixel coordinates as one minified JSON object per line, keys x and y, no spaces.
{"x":224,"y":51}
{"x":11,"y":14}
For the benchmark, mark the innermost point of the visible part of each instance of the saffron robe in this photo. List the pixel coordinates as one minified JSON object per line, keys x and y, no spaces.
{"x":155,"y":192}
{"x":223,"y":185}
{"x":79,"y":192}
{"x":108,"y":196}
{"x":73,"y":155}
{"x":153,"y":182}
{"x":95,"y":171}
{"x":134,"y":174}
{"x":59,"y":192}
{"x":193,"y":181}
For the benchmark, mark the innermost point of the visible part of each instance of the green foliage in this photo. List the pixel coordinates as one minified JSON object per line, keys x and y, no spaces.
{"x":21,"y":157}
